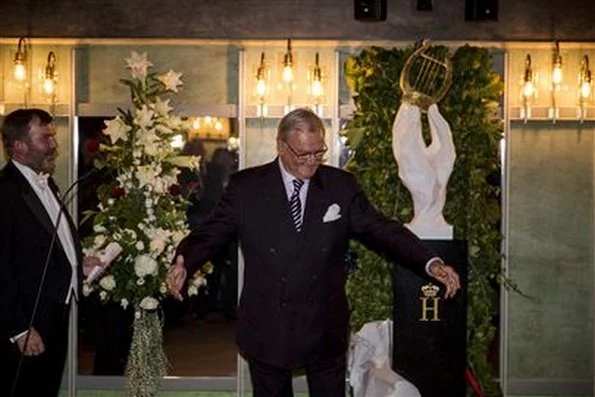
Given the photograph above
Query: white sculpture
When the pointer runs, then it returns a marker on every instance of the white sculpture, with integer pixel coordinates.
(424, 170)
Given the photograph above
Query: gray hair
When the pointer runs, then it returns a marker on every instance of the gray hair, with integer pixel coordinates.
(301, 119)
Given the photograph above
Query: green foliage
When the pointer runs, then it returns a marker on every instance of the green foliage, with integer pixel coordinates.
(472, 205)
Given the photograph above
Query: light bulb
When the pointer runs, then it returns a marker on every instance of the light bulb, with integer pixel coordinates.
(20, 73)
(316, 88)
(261, 88)
(196, 123)
(585, 90)
(528, 89)
(218, 125)
(557, 74)
(288, 74)
(49, 86)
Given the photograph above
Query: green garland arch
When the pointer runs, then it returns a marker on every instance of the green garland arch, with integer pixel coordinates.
(472, 205)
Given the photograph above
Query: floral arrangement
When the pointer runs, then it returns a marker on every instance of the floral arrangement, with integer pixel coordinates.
(142, 214)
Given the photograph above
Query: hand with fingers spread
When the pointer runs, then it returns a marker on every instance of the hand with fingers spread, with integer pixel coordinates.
(446, 275)
(176, 277)
(35, 345)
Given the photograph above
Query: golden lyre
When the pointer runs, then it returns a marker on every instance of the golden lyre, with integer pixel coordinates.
(425, 79)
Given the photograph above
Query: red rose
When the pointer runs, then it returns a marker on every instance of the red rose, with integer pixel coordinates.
(117, 192)
(92, 145)
(175, 190)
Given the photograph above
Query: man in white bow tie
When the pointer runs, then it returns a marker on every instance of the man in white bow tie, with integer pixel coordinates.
(294, 218)
(33, 346)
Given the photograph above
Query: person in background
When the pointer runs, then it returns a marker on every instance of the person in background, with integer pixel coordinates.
(294, 218)
(40, 254)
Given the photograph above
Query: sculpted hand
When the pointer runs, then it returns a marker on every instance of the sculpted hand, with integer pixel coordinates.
(34, 346)
(176, 277)
(447, 276)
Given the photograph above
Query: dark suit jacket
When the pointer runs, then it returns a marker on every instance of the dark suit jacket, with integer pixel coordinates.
(293, 308)
(25, 235)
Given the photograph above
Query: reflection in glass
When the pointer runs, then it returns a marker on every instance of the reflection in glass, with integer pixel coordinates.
(198, 332)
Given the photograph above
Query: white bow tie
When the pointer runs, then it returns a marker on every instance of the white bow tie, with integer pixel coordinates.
(42, 180)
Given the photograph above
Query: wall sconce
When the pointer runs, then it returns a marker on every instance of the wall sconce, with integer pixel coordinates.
(316, 88)
(261, 86)
(288, 75)
(20, 58)
(49, 82)
(557, 75)
(584, 87)
(528, 89)
(288, 64)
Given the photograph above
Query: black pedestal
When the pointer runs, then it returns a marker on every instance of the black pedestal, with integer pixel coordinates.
(429, 337)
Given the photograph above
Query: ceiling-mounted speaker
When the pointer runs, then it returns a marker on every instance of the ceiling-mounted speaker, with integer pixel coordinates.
(481, 10)
(369, 10)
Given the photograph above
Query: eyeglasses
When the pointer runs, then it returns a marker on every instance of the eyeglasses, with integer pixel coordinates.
(317, 156)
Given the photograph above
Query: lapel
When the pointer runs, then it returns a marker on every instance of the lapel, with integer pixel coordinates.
(316, 204)
(275, 200)
(30, 197)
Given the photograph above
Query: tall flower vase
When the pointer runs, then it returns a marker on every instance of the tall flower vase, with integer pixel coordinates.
(147, 363)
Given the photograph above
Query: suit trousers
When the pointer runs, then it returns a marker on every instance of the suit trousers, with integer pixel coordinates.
(325, 379)
(41, 375)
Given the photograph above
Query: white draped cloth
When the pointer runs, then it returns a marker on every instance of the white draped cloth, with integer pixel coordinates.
(369, 364)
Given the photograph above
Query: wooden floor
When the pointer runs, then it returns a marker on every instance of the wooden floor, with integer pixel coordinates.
(203, 347)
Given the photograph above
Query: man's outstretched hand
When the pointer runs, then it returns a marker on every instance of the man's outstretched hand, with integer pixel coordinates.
(175, 278)
(446, 275)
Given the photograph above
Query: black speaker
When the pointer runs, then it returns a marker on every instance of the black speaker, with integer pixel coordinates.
(369, 10)
(481, 10)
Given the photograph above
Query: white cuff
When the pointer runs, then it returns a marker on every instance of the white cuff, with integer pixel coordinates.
(19, 336)
(430, 262)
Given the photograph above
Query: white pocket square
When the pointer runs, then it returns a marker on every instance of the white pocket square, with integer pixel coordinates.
(332, 213)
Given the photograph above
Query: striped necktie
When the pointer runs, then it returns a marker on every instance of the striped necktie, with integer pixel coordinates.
(295, 204)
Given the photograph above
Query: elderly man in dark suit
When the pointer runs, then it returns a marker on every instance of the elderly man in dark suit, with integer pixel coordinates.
(34, 313)
(294, 218)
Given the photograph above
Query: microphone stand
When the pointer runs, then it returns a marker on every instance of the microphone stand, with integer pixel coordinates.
(62, 203)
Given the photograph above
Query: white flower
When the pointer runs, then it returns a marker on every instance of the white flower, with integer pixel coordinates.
(140, 281)
(192, 290)
(137, 315)
(144, 265)
(108, 283)
(87, 289)
(192, 162)
(148, 203)
(149, 303)
(98, 242)
(139, 245)
(110, 201)
(163, 288)
(158, 238)
(116, 129)
(171, 80)
(138, 64)
(162, 108)
(124, 303)
(103, 295)
(99, 229)
(144, 117)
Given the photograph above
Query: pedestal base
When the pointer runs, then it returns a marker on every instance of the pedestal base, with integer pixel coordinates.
(430, 333)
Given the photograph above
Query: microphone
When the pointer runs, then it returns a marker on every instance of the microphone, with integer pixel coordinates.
(62, 202)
